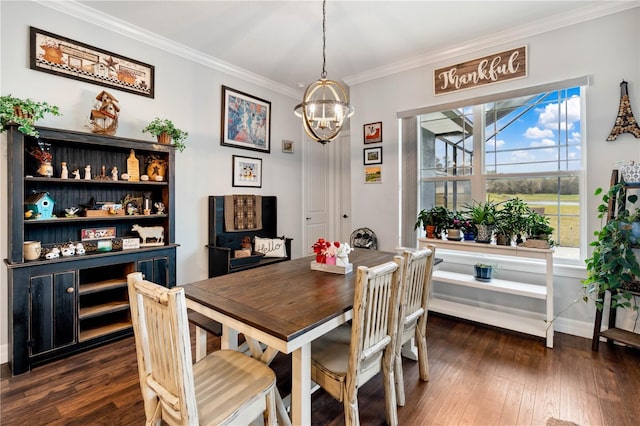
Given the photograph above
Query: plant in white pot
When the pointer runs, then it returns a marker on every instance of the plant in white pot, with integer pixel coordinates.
(167, 132)
(24, 113)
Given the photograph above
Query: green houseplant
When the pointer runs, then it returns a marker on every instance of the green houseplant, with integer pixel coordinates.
(163, 129)
(612, 265)
(511, 221)
(538, 228)
(433, 220)
(24, 113)
(484, 216)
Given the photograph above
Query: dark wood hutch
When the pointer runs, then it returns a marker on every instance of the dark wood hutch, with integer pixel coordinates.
(68, 304)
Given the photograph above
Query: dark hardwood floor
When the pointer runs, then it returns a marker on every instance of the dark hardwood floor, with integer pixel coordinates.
(479, 376)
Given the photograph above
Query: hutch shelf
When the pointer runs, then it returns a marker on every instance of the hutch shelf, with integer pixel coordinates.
(510, 321)
(67, 304)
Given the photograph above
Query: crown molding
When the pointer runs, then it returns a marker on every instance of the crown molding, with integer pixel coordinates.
(88, 14)
(587, 13)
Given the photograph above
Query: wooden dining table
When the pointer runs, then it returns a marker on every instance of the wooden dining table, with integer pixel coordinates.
(282, 307)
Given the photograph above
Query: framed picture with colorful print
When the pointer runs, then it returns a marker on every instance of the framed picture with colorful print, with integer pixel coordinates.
(247, 171)
(246, 121)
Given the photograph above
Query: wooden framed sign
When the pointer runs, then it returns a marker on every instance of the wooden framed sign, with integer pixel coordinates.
(496, 68)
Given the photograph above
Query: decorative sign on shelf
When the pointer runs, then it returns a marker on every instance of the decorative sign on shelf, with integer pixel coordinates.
(490, 69)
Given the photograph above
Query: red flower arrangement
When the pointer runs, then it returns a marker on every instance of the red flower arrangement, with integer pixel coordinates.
(324, 249)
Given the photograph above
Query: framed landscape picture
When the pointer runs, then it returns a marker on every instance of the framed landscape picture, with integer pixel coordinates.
(247, 171)
(373, 132)
(373, 174)
(373, 155)
(246, 121)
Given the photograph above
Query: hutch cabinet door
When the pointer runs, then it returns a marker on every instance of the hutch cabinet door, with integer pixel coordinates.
(158, 270)
(53, 311)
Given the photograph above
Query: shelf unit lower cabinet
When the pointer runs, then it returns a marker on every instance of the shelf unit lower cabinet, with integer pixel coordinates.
(64, 306)
(523, 324)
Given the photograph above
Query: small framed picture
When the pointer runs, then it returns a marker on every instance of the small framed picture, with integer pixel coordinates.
(287, 146)
(373, 132)
(372, 156)
(247, 171)
(373, 174)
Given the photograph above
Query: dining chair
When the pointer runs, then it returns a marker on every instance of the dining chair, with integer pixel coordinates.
(348, 356)
(226, 387)
(418, 268)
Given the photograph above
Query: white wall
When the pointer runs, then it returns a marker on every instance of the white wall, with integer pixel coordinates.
(187, 93)
(605, 49)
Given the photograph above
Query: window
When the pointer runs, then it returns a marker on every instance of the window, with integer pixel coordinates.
(527, 146)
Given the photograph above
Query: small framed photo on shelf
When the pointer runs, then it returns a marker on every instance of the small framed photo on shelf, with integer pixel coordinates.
(373, 132)
(246, 121)
(287, 146)
(372, 156)
(247, 171)
(373, 174)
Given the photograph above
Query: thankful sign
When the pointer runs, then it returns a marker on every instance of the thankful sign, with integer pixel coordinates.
(490, 69)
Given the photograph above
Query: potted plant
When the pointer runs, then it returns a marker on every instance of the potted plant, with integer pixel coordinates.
(538, 231)
(483, 215)
(511, 221)
(24, 113)
(484, 271)
(166, 132)
(613, 265)
(455, 226)
(433, 220)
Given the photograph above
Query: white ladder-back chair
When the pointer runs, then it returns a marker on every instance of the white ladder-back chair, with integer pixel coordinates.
(224, 388)
(418, 268)
(348, 356)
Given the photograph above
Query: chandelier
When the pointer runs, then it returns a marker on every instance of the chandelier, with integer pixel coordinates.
(325, 105)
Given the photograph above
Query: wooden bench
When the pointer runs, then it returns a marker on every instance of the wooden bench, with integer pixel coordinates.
(222, 244)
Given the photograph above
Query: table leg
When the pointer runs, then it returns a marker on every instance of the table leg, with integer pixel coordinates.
(229, 338)
(301, 385)
(201, 343)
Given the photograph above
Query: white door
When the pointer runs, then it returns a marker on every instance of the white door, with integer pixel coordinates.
(318, 194)
(327, 191)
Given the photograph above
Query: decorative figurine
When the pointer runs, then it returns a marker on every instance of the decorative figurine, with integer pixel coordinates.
(87, 172)
(146, 203)
(159, 205)
(44, 157)
(114, 173)
(76, 174)
(80, 249)
(64, 174)
(104, 116)
(71, 211)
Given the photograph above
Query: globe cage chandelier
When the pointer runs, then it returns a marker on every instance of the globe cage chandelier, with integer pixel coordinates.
(325, 105)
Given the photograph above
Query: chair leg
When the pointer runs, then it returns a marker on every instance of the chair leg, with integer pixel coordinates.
(390, 388)
(423, 359)
(351, 413)
(399, 378)
(270, 414)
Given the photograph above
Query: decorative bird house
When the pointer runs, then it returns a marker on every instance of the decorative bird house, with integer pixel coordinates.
(40, 205)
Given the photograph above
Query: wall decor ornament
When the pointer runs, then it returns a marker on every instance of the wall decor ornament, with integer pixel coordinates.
(373, 174)
(625, 121)
(103, 118)
(373, 155)
(61, 56)
(246, 121)
(372, 132)
(247, 171)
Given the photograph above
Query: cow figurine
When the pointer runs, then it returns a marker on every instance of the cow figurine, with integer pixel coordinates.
(146, 232)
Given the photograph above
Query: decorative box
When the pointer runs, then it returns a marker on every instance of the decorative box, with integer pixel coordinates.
(630, 171)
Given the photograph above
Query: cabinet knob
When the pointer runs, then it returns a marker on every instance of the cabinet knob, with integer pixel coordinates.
(71, 290)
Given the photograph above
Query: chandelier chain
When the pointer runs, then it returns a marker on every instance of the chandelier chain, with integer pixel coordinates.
(324, 39)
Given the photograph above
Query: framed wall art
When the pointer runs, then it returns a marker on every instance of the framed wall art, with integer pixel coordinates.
(287, 146)
(373, 174)
(372, 156)
(246, 121)
(247, 171)
(61, 56)
(373, 132)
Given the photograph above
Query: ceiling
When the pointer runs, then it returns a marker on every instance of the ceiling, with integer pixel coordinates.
(282, 40)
